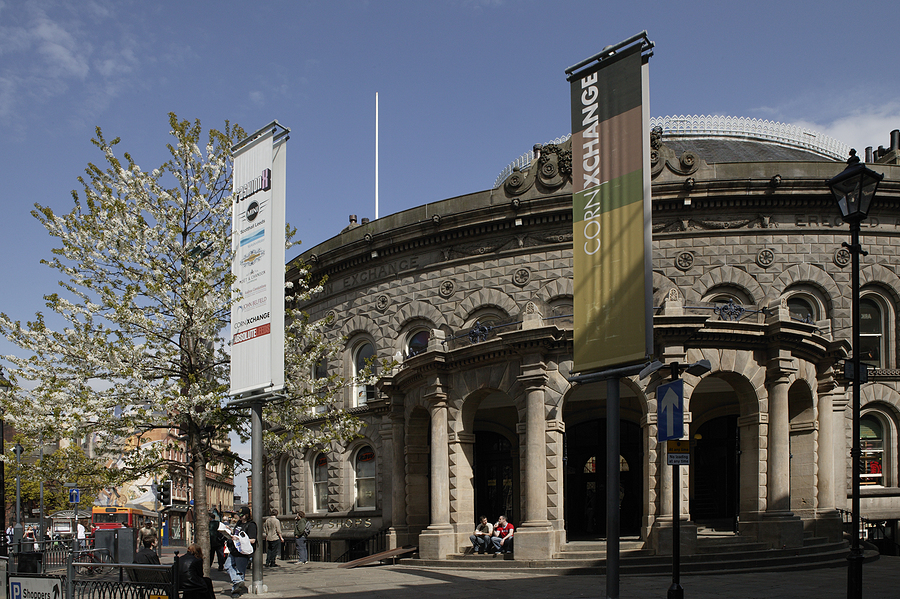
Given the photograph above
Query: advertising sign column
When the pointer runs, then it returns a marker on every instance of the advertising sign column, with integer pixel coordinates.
(258, 220)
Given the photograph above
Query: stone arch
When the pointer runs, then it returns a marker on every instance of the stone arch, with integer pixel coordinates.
(419, 310)
(725, 275)
(554, 289)
(362, 324)
(877, 393)
(734, 366)
(808, 274)
(482, 298)
(501, 377)
(877, 274)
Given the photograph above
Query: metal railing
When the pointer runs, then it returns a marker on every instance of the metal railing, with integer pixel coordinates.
(365, 547)
(711, 126)
(873, 531)
(317, 550)
(89, 573)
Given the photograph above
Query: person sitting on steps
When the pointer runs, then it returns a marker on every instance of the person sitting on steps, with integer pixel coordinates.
(481, 538)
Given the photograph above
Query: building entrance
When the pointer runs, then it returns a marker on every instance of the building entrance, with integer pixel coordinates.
(585, 499)
(716, 473)
(494, 477)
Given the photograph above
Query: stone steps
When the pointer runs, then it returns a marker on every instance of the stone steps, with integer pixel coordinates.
(715, 554)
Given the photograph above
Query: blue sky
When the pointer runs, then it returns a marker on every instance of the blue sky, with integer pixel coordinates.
(465, 87)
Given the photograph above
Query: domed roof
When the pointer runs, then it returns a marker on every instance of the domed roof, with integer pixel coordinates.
(718, 139)
(738, 139)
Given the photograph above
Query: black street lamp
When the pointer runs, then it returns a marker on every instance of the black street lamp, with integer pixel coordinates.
(854, 191)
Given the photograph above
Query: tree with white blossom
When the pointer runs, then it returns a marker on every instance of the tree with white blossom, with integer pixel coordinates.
(137, 335)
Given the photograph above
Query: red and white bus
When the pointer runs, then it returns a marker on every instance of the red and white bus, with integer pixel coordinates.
(108, 517)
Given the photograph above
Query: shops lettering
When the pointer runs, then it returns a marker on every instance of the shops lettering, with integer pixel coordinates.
(343, 523)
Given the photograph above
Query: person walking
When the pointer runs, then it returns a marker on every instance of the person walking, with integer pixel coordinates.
(273, 537)
(216, 542)
(236, 564)
(301, 532)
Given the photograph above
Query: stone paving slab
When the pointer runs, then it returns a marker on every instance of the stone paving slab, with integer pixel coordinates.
(881, 580)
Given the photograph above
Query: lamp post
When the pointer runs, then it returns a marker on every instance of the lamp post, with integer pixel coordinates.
(19, 528)
(6, 386)
(854, 190)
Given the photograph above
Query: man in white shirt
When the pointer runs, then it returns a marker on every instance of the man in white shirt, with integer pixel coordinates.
(82, 535)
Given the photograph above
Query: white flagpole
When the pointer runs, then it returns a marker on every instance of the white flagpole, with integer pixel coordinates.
(376, 155)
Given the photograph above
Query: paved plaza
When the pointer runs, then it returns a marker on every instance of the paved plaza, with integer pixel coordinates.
(881, 581)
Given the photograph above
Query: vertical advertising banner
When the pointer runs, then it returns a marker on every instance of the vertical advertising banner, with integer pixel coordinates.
(258, 220)
(611, 213)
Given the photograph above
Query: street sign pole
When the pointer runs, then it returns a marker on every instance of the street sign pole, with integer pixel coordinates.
(670, 425)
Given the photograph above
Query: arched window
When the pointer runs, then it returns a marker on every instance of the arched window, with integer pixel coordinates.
(871, 441)
(417, 343)
(364, 470)
(801, 309)
(723, 294)
(285, 478)
(871, 332)
(363, 362)
(320, 483)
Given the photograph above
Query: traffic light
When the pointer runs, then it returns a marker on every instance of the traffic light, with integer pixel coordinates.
(164, 492)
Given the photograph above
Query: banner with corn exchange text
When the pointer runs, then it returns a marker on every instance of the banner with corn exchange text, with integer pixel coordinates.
(611, 213)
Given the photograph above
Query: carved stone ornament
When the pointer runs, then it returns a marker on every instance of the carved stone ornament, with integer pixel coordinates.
(664, 157)
(684, 261)
(842, 257)
(382, 302)
(521, 277)
(765, 257)
(331, 317)
(673, 295)
(551, 169)
(446, 288)
(530, 308)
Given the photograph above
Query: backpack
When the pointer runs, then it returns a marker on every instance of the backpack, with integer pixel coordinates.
(307, 529)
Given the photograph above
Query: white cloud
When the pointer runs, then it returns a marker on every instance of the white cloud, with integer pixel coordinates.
(864, 126)
(64, 55)
(257, 98)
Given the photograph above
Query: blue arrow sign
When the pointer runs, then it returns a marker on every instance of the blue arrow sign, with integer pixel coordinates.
(670, 411)
(74, 495)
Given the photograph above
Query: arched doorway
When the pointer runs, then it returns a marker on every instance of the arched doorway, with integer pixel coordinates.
(418, 471)
(585, 498)
(493, 475)
(723, 434)
(492, 417)
(716, 474)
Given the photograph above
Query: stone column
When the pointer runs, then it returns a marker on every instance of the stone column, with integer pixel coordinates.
(779, 471)
(828, 521)
(398, 533)
(777, 526)
(534, 538)
(437, 541)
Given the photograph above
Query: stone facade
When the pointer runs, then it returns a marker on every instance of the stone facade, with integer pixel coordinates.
(473, 298)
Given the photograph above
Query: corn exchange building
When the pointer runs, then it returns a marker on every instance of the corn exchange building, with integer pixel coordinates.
(473, 298)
